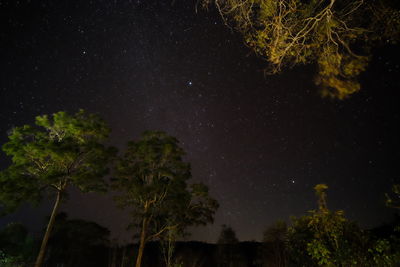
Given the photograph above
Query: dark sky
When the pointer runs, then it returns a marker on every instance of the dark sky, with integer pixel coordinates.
(260, 142)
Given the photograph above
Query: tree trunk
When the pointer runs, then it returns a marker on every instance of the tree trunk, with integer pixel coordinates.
(123, 257)
(42, 251)
(142, 243)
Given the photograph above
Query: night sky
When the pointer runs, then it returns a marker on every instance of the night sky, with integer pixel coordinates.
(259, 142)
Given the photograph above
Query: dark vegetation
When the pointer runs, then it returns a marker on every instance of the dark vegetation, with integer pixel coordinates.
(66, 248)
(151, 180)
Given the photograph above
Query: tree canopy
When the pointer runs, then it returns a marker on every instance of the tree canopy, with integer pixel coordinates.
(76, 242)
(336, 35)
(273, 250)
(328, 238)
(228, 251)
(151, 179)
(58, 151)
(227, 235)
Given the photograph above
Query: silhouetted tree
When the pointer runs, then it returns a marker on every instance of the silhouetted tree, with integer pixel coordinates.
(273, 250)
(228, 251)
(152, 180)
(227, 235)
(195, 254)
(17, 247)
(76, 242)
(58, 151)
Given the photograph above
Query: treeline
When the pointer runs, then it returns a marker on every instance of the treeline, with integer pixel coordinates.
(152, 181)
(78, 243)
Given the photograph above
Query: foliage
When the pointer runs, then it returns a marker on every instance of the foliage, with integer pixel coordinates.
(75, 242)
(327, 238)
(336, 35)
(228, 251)
(9, 261)
(393, 200)
(58, 151)
(273, 250)
(227, 236)
(385, 252)
(152, 180)
(17, 246)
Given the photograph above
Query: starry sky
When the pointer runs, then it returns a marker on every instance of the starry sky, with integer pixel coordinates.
(259, 142)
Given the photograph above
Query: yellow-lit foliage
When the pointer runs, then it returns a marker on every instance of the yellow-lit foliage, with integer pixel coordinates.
(337, 73)
(291, 32)
(393, 199)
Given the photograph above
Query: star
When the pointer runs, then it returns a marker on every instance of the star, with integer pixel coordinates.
(244, 133)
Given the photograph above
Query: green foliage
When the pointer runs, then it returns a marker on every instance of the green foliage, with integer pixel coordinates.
(10, 261)
(148, 168)
(326, 238)
(385, 252)
(56, 152)
(336, 35)
(17, 247)
(152, 178)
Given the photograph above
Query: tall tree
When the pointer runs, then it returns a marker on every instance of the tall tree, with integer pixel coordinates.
(273, 250)
(59, 151)
(336, 35)
(152, 180)
(228, 251)
(197, 209)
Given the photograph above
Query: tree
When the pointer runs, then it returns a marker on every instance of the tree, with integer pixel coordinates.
(59, 151)
(17, 247)
(228, 250)
(76, 242)
(227, 236)
(198, 209)
(274, 245)
(327, 238)
(336, 35)
(152, 180)
(393, 200)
